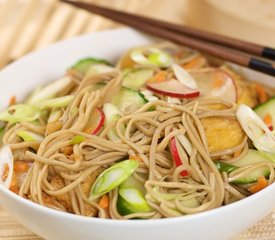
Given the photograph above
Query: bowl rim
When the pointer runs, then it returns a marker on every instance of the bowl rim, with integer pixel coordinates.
(241, 203)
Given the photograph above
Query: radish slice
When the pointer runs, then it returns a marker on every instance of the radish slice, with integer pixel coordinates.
(176, 152)
(95, 122)
(6, 164)
(173, 88)
(215, 82)
(184, 77)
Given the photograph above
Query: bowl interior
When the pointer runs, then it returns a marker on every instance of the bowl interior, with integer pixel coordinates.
(35, 69)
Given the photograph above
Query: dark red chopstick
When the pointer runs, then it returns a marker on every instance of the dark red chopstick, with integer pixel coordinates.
(195, 39)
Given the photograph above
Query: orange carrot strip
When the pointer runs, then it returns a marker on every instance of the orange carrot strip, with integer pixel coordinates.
(193, 63)
(268, 119)
(159, 77)
(261, 93)
(261, 184)
(237, 154)
(135, 157)
(21, 166)
(12, 100)
(104, 201)
(67, 150)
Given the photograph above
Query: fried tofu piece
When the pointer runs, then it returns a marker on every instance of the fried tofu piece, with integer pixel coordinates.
(222, 133)
(58, 183)
(89, 210)
(247, 94)
(89, 180)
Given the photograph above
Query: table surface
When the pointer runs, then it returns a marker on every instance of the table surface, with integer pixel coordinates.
(52, 16)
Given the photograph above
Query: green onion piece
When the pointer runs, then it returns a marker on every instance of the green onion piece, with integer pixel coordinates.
(112, 178)
(20, 113)
(2, 130)
(55, 102)
(151, 56)
(160, 59)
(29, 136)
(77, 139)
(131, 200)
(50, 90)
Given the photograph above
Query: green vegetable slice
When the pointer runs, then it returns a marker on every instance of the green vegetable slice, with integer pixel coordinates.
(112, 178)
(55, 102)
(128, 100)
(112, 114)
(77, 139)
(136, 78)
(49, 91)
(20, 113)
(28, 136)
(132, 201)
(85, 64)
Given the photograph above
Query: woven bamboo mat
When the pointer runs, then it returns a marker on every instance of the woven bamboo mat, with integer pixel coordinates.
(48, 21)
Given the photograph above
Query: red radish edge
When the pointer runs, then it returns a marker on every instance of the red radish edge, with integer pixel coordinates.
(101, 122)
(155, 87)
(234, 84)
(176, 156)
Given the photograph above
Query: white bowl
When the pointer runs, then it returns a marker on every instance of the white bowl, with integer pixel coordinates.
(37, 68)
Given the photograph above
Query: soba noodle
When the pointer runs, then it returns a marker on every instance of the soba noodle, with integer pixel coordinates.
(60, 175)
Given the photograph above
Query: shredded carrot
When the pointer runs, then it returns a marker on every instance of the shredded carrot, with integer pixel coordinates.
(14, 188)
(104, 201)
(261, 93)
(261, 184)
(135, 157)
(159, 77)
(12, 100)
(21, 166)
(237, 154)
(68, 150)
(218, 82)
(268, 121)
(193, 63)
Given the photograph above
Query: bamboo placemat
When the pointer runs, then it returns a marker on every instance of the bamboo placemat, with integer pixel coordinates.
(47, 21)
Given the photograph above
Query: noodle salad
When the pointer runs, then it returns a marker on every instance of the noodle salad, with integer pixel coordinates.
(164, 132)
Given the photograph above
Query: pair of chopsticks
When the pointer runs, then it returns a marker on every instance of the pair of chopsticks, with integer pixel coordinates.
(230, 49)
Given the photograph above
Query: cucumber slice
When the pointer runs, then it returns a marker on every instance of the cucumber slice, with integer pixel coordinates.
(265, 108)
(131, 200)
(112, 114)
(225, 167)
(253, 156)
(128, 100)
(137, 78)
(83, 65)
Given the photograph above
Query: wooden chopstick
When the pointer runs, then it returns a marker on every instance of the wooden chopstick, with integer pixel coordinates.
(156, 28)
